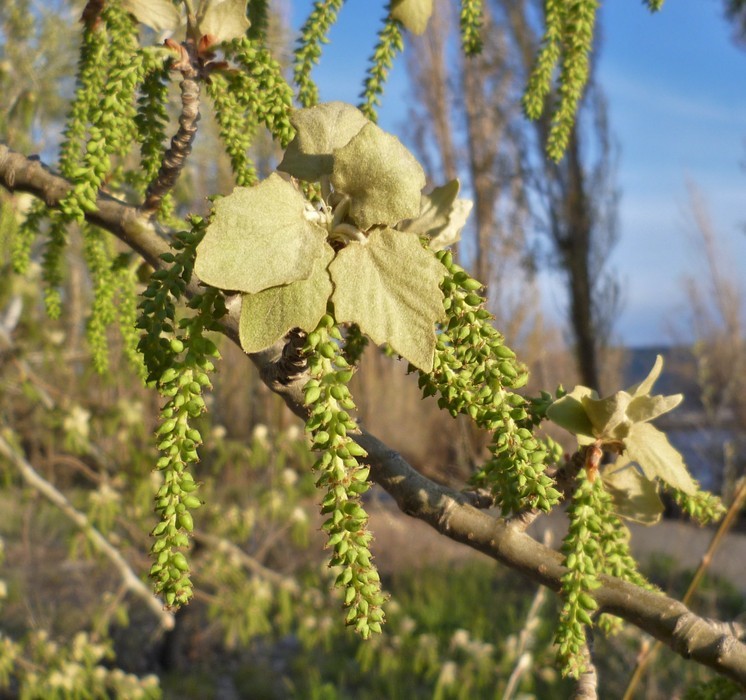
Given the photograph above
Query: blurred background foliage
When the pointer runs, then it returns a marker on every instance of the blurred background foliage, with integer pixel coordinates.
(264, 623)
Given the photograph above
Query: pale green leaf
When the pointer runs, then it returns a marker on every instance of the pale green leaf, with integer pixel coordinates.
(268, 315)
(609, 415)
(441, 217)
(650, 448)
(319, 131)
(646, 385)
(224, 20)
(381, 176)
(160, 15)
(389, 286)
(635, 497)
(568, 412)
(259, 237)
(645, 408)
(413, 14)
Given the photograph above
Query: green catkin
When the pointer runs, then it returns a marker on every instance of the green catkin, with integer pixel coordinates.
(567, 41)
(261, 89)
(237, 129)
(584, 561)
(390, 43)
(473, 373)
(342, 478)
(654, 5)
(470, 21)
(98, 258)
(151, 120)
(308, 51)
(126, 284)
(179, 359)
(25, 234)
(703, 507)
(258, 13)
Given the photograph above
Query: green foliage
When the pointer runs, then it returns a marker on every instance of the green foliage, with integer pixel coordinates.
(716, 689)
(473, 371)
(41, 668)
(342, 478)
(390, 43)
(620, 423)
(308, 50)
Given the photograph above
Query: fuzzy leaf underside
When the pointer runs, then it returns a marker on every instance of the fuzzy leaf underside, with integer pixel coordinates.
(609, 415)
(389, 286)
(319, 131)
(442, 216)
(413, 14)
(224, 20)
(160, 15)
(259, 238)
(650, 448)
(635, 497)
(383, 179)
(268, 315)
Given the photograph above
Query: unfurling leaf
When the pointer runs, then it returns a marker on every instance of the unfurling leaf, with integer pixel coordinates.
(570, 414)
(259, 238)
(650, 448)
(224, 20)
(441, 217)
(319, 131)
(383, 179)
(635, 496)
(389, 286)
(268, 315)
(160, 15)
(413, 14)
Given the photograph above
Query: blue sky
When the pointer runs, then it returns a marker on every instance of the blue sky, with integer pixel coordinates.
(676, 86)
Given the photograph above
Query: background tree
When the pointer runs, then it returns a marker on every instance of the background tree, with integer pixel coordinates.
(571, 204)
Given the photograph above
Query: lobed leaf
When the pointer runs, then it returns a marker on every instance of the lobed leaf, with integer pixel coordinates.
(160, 15)
(268, 315)
(441, 217)
(650, 448)
(259, 237)
(635, 496)
(383, 179)
(224, 20)
(319, 131)
(389, 286)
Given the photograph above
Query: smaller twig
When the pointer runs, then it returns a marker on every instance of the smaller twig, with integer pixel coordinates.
(226, 546)
(587, 685)
(647, 656)
(181, 144)
(527, 637)
(99, 542)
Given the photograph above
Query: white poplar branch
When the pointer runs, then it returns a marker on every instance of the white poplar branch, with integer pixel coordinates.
(704, 641)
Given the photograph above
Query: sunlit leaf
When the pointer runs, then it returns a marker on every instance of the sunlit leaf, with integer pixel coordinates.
(441, 217)
(160, 15)
(569, 413)
(224, 20)
(389, 286)
(381, 176)
(268, 315)
(635, 497)
(646, 385)
(650, 448)
(609, 415)
(413, 14)
(646, 408)
(259, 237)
(319, 131)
